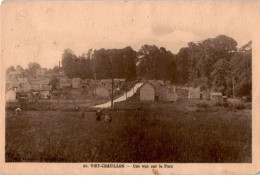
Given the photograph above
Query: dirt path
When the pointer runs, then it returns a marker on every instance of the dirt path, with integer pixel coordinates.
(130, 93)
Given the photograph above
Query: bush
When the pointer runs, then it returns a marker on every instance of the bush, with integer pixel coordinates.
(222, 104)
(239, 106)
(202, 105)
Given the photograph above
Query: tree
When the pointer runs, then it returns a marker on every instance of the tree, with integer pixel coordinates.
(221, 77)
(117, 62)
(69, 60)
(54, 82)
(241, 70)
(155, 63)
(19, 68)
(196, 62)
(10, 69)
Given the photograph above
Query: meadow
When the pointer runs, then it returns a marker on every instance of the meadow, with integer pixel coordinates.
(201, 133)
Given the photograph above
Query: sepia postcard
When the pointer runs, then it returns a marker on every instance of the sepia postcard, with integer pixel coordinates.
(130, 87)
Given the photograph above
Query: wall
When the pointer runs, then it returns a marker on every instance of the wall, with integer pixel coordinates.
(147, 93)
(102, 92)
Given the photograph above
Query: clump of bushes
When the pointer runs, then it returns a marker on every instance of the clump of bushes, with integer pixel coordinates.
(222, 104)
(239, 106)
(202, 105)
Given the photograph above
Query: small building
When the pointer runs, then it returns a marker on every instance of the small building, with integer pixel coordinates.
(23, 80)
(12, 83)
(40, 72)
(44, 94)
(171, 95)
(161, 82)
(103, 92)
(147, 92)
(14, 74)
(76, 83)
(183, 92)
(108, 83)
(24, 87)
(36, 84)
(194, 93)
(10, 95)
(216, 96)
(65, 82)
(45, 91)
(154, 91)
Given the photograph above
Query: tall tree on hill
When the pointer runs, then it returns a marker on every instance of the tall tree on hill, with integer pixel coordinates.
(117, 62)
(155, 63)
(221, 77)
(241, 69)
(196, 62)
(69, 60)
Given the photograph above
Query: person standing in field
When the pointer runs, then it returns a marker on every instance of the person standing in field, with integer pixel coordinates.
(108, 117)
(98, 115)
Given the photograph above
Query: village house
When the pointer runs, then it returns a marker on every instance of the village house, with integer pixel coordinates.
(194, 93)
(216, 96)
(12, 83)
(24, 85)
(45, 94)
(183, 92)
(102, 92)
(76, 83)
(40, 73)
(154, 91)
(36, 84)
(10, 95)
(108, 83)
(14, 74)
(171, 94)
(65, 82)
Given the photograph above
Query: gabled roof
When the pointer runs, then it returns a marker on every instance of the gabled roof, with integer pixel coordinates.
(110, 80)
(216, 93)
(17, 72)
(105, 87)
(22, 80)
(39, 81)
(156, 85)
(76, 79)
(46, 87)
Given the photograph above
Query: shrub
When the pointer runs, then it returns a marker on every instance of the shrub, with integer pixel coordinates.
(202, 105)
(239, 106)
(223, 104)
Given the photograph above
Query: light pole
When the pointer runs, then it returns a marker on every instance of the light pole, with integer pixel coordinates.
(112, 78)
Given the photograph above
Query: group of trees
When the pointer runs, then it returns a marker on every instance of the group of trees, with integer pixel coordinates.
(31, 69)
(213, 64)
(217, 64)
(100, 64)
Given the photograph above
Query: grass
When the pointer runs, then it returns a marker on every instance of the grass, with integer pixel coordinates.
(162, 134)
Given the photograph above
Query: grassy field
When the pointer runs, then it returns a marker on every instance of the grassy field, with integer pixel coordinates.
(159, 133)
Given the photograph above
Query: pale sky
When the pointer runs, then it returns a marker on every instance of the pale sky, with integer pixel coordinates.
(40, 31)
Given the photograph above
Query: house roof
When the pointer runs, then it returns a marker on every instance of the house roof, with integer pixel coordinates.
(156, 85)
(39, 81)
(105, 87)
(110, 80)
(23, 80)
(76, 79)
(46, 87)
(13, 83)
(17, 72)
(216, 93)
